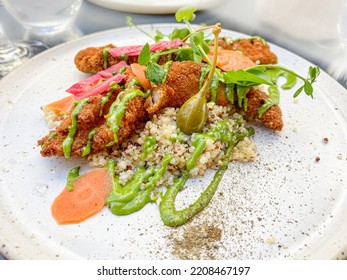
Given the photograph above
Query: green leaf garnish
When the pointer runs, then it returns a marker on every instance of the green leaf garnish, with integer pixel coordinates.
(179, 33)
(244, 78)
(155, 73)
(185, 54)
(197, 42)
(145, 55)
(159, 36)
(268, 75)
(185, 13)
(273, 99)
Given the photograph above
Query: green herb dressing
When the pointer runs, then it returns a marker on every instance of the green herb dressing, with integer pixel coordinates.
(54, 134)
(134, 82)
(106, 98)
(68, 141)
(127, 192)
(142, 196)
(148, 147)
(219, 132)
(87, 148)
(72, 175)
(168, 213)
(117, 110)
(214, 87)
(180, 137)
(166, 68)
(122, 70)
(229, 93)
(203, 73)
(105, 54)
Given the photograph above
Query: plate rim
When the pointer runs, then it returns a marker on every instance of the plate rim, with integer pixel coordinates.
(162, 7)
(109, 31)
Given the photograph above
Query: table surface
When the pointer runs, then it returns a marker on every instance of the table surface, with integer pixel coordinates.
(237, 15)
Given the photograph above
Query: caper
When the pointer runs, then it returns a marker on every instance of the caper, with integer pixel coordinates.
(193, 114)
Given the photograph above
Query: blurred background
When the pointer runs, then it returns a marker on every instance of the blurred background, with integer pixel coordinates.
(313, 29)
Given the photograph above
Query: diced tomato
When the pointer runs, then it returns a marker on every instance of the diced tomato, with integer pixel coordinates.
(135, 50)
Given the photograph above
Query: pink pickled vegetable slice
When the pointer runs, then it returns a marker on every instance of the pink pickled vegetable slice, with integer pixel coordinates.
(97, 83)
(101, 88)
(135, 50)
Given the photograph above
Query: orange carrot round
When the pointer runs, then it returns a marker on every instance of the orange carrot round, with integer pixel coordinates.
(140, 73)
(88, 197)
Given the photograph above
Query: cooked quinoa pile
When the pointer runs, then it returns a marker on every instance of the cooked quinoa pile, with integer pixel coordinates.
(169, 140)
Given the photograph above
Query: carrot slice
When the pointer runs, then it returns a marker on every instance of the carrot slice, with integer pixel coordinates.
(140, 73)
(60, 106)
(86, 199)
(231, 60)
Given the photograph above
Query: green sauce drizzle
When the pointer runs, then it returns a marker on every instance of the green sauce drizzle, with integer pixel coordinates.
(180, 137)
(203, 73)
(106, 98)
(229, 93)
(68, 141)
(148, 147)
(142, 197)
(214, 87)
(133, 82)
(87, 148)
(166, 68)
(169, 214)
(105, 54)
(122, 70)
(72, 175)
(117, 110)
(127, 192)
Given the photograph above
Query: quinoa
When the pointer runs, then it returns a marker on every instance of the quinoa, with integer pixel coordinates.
(169, 140)
(52, 119)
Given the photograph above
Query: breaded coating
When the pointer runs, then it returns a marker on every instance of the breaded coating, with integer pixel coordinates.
(272, 118)
(91, 60)
(182, 82)
(253, 48)
(88, 119)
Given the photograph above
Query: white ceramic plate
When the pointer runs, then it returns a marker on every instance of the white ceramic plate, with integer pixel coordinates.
(283, 205)
(153, 6)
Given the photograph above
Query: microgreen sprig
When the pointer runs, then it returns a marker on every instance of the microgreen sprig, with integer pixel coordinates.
(268, 75)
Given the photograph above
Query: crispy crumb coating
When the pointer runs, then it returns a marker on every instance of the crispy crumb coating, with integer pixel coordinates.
(183, 82)
(88, 119)
(256, 50)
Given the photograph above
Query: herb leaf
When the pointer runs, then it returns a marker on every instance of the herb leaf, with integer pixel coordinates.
(155, 73)
(185, 54)
(273, 99)
(185, 13)
(199, 46)
(242, 100)
(145, 55)
(179, 33)
(244, 78)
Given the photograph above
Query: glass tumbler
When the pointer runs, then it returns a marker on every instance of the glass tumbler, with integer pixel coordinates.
(49, 21)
